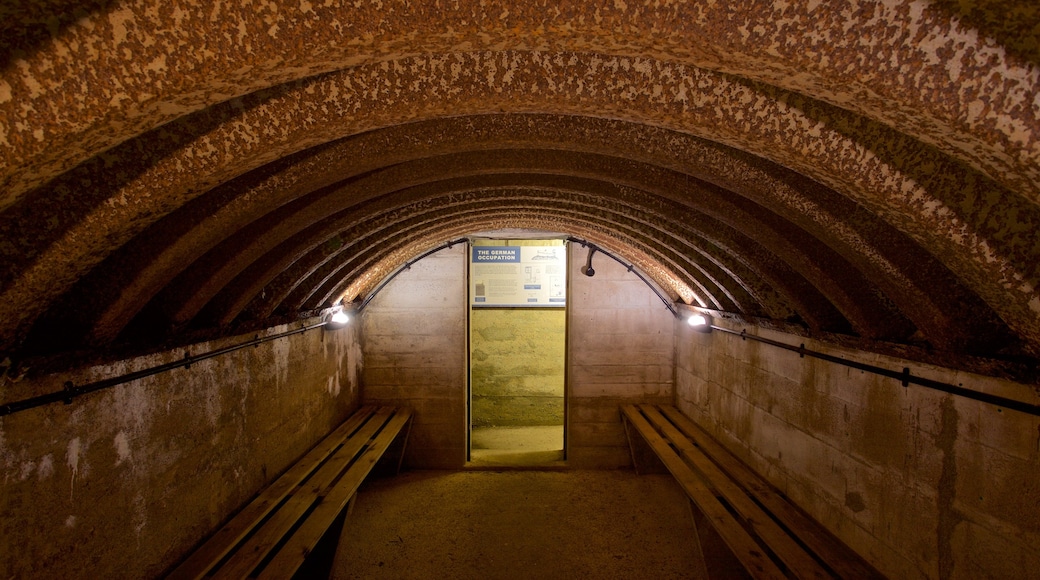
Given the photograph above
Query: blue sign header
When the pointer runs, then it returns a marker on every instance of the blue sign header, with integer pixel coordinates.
(496, 254)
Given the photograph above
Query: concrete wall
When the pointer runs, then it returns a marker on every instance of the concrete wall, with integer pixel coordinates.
(414, 341)
(123, 482)
(517, 364)
(926, 485)
(620, 348)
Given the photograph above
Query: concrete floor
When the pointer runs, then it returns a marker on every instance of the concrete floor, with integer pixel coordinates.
(519, 524)
(516, 446)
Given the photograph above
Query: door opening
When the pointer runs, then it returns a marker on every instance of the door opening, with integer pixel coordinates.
(517, 354)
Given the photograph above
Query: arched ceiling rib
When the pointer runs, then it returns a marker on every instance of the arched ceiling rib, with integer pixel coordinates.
(118, 63)
(261, 237)
(833, 164)
(585, 209)
(298, 257)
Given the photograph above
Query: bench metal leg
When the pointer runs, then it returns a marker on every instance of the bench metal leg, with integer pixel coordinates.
(717, 560)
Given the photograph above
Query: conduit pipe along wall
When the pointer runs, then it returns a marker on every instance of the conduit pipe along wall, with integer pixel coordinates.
(407, 266)
(124, 482)
(593, 248)
(71, 390)
(923, 483)
(905, 376)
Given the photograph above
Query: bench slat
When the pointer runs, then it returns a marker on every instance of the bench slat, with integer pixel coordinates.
(736, 537)
(801, 564)
(251, 553)
(839, 557)
(202, 560)
(291, 556)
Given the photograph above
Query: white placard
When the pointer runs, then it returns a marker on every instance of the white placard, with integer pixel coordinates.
(518, 276)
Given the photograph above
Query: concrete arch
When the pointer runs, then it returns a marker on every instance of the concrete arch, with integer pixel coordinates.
(266, 283)
(721, 267)
(377, 233)
(224, 262)
(923, 186)
(174, 238)
(858, 176)
(125, 56)
(336, 277)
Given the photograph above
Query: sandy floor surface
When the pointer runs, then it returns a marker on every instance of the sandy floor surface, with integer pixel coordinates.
(519, 524)
(514, 446)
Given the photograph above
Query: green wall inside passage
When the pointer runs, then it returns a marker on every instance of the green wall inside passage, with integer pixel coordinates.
(517, 366)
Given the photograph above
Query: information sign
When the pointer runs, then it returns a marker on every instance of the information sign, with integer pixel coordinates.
(518, 276)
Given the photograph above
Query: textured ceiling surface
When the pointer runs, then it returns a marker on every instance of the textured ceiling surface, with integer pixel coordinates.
(869, 169)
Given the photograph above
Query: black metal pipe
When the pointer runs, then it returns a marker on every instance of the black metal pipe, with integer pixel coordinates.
(406, 266)
(904, 376)
(71, 391)
(631, 268)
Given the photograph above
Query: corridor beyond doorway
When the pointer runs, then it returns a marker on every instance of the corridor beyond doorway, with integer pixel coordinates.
(518, 338)
(516, 446)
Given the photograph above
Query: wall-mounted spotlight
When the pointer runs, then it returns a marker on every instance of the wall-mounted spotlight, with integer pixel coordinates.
(587, 268)
(700, 322)
(337, 319)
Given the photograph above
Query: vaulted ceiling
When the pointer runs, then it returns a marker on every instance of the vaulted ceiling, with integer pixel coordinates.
(869, 169)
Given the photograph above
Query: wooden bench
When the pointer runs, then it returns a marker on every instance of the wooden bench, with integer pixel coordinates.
(273, 536)
(736, 512)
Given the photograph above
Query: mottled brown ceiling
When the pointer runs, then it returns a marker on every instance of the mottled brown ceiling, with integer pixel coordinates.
(869, 169)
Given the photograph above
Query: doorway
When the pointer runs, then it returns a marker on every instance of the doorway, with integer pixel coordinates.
(518, 345)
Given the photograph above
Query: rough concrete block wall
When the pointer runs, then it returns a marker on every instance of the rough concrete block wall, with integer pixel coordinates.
(414, 342)
(517, 365)
(621, 349)
(124, 482)
(924, 484)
